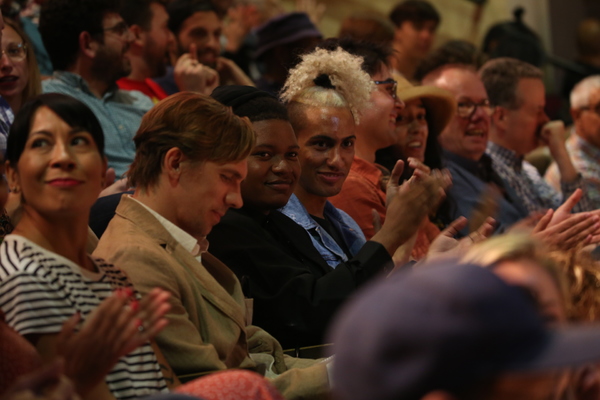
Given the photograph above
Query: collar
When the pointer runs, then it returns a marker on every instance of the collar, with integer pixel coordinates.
(296, 211)
(507, 156)
(186, 240)
(74, 80)
(466, 163)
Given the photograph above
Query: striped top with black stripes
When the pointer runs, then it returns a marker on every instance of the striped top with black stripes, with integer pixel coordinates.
(40, 290)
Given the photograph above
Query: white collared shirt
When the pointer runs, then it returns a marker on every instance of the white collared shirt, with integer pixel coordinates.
(186, 240)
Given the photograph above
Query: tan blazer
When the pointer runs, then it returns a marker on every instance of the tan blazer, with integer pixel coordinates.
(207, 330)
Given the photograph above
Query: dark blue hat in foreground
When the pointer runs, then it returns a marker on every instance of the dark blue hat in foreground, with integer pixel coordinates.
(445, 327)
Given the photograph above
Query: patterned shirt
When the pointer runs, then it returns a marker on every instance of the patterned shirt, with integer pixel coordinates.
(119, 112)
(40, 290)
(529, 186)
(586, 159)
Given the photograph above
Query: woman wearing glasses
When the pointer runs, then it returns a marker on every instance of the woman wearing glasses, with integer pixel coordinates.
(19, 74)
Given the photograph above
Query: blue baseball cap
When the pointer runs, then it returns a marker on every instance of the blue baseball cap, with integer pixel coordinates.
(446, 327)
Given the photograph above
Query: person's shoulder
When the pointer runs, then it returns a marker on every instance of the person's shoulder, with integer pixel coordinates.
(133, 98)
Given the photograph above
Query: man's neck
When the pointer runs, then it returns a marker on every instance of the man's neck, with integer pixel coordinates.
(364, 150)
(150, 198)
(97, 87)
(139, 69)
(315, 205)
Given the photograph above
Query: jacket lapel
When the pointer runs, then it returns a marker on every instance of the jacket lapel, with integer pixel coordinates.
(214, 281)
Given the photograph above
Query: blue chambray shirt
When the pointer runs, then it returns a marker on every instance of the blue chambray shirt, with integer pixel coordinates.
(119, 112)
(331, 252)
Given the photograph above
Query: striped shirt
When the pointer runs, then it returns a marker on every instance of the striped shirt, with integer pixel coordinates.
(40, 290)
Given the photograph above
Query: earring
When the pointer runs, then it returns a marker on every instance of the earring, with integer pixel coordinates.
(15, 190)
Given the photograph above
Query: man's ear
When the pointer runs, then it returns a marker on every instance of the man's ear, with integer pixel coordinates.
(138, 35)
(172, 164)
(12, 177)
(499, 117)
(575, 113)
(87, 44)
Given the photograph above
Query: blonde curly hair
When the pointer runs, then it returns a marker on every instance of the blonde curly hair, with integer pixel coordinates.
(329, 79)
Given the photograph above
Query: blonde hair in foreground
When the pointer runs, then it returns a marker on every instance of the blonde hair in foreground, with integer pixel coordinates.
(352, 86)
(515, 247)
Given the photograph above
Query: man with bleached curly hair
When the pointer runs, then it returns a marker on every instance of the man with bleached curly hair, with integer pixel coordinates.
(301, 262)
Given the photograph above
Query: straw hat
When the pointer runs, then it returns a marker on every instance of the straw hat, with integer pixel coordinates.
(439, 103)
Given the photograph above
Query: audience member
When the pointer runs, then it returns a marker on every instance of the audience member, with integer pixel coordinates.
(6, 114)
(19, 74)
(427, 111)
(364, 190)
(281, 40)
(244, 16)
(518, 126)
(453, 52)
(148, 51)
(301, 262)
(453, 331)
(87, 41)
(55, 161)
(464, 142)
(416, 22)
(587, 39)
(371, 27)
(197, 27)
(190, 161)
(514, 39)
(583, 145)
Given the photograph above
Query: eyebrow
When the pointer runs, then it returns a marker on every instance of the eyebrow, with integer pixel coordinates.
(320, 137)
(270, 146)
(349, 137)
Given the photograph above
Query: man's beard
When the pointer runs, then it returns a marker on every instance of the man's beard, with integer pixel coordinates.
(109, 66)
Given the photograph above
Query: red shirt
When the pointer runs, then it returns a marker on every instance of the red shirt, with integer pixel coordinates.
(147, 86)
(363, 191)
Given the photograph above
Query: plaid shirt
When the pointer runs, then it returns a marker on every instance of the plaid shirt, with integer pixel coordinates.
(586, 159)
(525, 180)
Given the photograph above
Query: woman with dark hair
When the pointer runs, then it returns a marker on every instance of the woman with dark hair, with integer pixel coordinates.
(56, 164)
(426, 113)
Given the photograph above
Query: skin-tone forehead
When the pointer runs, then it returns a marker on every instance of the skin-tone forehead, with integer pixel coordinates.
(594, 97)
(325, 119)
(531, 90)
(461, 81)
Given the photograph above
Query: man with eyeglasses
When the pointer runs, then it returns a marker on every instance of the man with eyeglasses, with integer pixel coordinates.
(464, 142)
(363, 190)
(518, 126)
(583, 145)
(87, 41)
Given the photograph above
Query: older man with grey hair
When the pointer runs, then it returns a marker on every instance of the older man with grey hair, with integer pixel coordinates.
(584, 143)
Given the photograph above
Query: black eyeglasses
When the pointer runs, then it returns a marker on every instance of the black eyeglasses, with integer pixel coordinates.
(121, 28)
(390, 86)
(466, 109)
